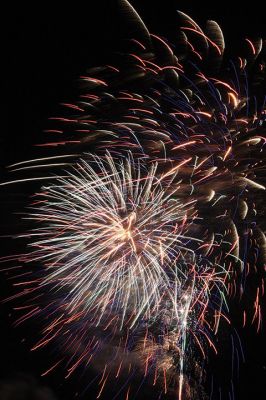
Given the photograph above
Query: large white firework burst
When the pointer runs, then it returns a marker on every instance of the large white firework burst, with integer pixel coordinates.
(112, 235)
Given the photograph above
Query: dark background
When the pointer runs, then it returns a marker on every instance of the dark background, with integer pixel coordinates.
(47, 50)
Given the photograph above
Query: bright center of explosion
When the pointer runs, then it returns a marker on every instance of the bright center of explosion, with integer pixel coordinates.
(128, 232)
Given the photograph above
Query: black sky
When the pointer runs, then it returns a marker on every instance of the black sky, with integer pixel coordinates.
(47, 50)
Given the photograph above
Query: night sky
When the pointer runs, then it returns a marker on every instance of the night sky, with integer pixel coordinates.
(47, 50)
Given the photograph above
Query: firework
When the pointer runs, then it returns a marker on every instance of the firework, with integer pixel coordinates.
(121, 252)
(111, 236)
(144, 230)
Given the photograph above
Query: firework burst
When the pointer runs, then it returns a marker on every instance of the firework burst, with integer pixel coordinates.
(111, 237)
(141, 244)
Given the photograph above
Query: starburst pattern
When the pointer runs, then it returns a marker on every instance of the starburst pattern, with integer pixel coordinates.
(141, 243)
